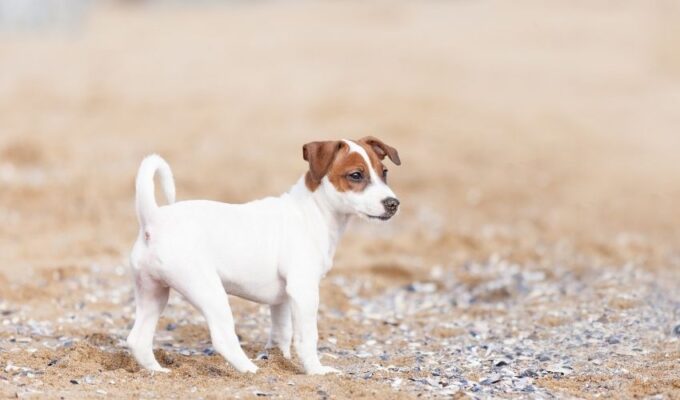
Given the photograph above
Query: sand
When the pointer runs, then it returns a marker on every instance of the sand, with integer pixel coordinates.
(542, 135)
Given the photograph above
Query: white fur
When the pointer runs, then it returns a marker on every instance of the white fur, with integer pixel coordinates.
(273, 251)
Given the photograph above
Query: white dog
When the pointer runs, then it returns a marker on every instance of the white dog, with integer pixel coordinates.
(273, 251)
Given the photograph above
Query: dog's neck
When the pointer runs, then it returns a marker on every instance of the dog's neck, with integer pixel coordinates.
(317, 207)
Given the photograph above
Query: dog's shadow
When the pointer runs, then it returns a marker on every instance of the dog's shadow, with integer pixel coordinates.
(210, 362)
(110, 354)
(215, 365)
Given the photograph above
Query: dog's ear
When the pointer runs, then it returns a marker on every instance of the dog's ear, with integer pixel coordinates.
(320, 156)
(382, 149)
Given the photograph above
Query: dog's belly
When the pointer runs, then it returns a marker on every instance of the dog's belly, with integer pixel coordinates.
(249, 269)
(268, 292)
(242, 243)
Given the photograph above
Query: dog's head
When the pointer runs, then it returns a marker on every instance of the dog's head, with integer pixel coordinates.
(352, 177)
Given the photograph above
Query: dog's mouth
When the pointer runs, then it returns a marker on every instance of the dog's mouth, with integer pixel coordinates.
(383, 217)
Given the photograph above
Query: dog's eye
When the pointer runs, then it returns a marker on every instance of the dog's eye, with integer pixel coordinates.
(385, 174)
(356, 176)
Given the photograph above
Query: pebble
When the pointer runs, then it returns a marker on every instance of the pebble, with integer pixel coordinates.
(500, 339)
(491, 379)
(614, 339)
(421, 287)
(529, 389)
(560, 369)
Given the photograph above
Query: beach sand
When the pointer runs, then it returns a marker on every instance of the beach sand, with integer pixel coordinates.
(539, 188)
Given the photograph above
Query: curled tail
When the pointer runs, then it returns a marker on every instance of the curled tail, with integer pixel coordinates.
(145, 201)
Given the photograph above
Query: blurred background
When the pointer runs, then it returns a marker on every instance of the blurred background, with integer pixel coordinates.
(519, 123)
(540, 188)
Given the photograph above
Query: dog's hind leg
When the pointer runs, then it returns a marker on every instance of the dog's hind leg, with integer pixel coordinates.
(207, 294)
(151, 297)
(281, 333)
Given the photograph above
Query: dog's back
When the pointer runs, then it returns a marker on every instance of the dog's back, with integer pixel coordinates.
(244, 241)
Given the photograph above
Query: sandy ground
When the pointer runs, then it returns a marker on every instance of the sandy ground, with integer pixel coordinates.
(539, 145)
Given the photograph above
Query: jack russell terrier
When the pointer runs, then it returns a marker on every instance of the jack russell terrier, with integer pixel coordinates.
(273, 251)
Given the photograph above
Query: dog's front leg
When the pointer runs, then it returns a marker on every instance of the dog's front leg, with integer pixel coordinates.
(304, 302)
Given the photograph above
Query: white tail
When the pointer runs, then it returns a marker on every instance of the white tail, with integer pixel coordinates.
(146, 199)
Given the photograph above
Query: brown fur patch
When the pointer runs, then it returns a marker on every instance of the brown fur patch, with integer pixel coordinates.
(310, 182)
(320, 156)
(381, 149)
(345, 164)
(333, 159)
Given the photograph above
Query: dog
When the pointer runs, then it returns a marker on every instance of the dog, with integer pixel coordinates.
(273, 251)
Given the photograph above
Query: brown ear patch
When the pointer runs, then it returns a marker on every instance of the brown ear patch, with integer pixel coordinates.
(382, 150)
(320, 156)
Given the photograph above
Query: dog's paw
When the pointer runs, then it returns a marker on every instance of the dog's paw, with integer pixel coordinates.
(323, 370)
(160, 370)
(252, 370)
(249, 368)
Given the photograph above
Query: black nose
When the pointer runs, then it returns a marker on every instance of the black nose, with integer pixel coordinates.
(391, 204)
